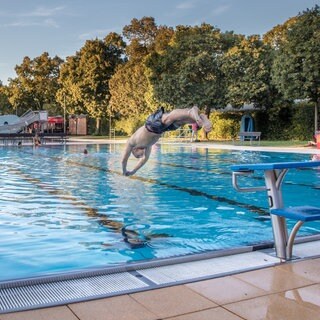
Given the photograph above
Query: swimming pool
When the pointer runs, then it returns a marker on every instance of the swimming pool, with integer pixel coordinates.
(61, 210)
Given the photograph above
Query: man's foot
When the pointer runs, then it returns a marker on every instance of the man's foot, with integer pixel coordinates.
(194, 114)
(206, 124)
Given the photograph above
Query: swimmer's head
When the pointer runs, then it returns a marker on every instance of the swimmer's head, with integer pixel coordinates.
(138, 152)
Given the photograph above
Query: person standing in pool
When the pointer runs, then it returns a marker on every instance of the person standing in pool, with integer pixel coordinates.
(141, 142)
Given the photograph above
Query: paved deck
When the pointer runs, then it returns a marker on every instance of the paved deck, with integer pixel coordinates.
(286, 291)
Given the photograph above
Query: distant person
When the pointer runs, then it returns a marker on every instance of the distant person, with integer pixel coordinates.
(194, 135)
(315, 157)
(313, 142)
(36, 140)
(85, 151)
(141, 142)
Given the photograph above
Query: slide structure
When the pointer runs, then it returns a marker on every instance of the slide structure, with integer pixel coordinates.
(12, 124)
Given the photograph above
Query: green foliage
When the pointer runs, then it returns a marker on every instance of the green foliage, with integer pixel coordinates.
(128, 87)
(247, 67)
(296, 68)
(131, 93)
(178, 68)
(297, 64)
(141, 34)
(274, 123)
(302, 122)
(69, 94)
(226, 125)
(5, 106)
(85, 77)
(188, 71)
(130, 125)
(294, 122)
(278, 34)
(36, 83)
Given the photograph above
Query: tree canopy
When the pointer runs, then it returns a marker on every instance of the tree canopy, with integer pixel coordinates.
(188, 70)
(36, 83)
(130, 75)
(85, 77)
(296, 68)
(129, 86)
(247, 68)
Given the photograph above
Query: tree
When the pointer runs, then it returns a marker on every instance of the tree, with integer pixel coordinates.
(18, 97)
(5, 106)
(141, 35)
(85, 77)
(247, 68)
(296, 69)
(278, 34)
(37, 81)
(188, 70)
(129, 87)
(69, 95)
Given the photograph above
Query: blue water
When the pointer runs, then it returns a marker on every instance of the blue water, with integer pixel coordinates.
(61, 210)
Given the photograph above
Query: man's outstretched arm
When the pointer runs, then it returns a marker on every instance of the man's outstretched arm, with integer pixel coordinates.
(125, 158)
(142, 161)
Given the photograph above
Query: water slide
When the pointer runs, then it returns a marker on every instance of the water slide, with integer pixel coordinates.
(14, 124)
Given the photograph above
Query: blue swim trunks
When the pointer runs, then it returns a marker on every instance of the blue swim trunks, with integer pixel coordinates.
(154, 124)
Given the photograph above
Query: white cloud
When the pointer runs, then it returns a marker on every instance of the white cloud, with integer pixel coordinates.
(185, 5)
(28, 23)
(220, 10)
(40, 17)
(42, 12)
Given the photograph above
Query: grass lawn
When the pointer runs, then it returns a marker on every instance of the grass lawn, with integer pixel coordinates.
(267, 143)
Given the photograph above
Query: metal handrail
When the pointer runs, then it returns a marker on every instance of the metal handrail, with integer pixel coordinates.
(235, 184)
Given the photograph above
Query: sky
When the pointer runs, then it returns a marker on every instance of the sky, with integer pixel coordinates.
(61, 27)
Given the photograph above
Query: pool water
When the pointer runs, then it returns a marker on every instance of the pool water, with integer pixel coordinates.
(62, 210)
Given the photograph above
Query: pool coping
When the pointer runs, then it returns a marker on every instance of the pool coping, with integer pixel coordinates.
(96, 283)
(73, 140)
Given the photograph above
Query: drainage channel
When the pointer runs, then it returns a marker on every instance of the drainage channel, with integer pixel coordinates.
(62, 289)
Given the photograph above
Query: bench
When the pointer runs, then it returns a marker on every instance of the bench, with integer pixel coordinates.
(274, 174)
(250, 135)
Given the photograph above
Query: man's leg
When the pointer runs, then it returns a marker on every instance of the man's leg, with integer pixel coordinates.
(201, 119)
(187, 116)
(206, 123)
(182, 116)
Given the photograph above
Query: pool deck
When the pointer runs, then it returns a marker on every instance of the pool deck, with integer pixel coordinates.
(74, 140)
(211, 145)
(289, 290)
(286, 291)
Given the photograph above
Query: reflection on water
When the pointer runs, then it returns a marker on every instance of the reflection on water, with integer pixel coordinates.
(63, 210)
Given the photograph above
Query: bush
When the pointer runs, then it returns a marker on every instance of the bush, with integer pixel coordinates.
(129, 126)
(287, 122)
(302, 125)
(278, 123)
(225, 126)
